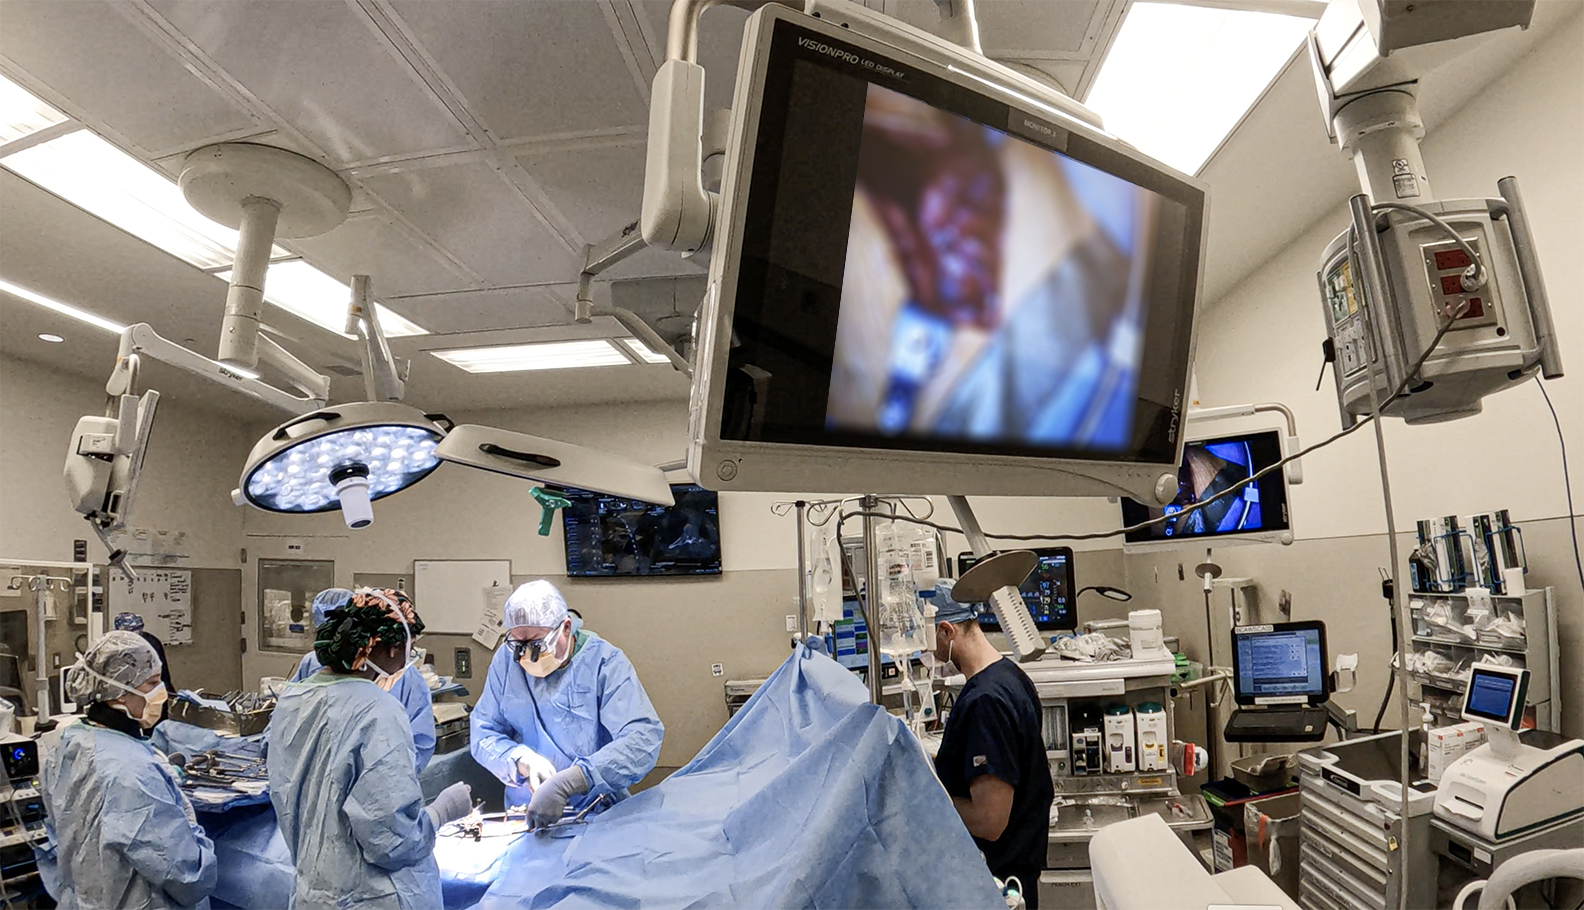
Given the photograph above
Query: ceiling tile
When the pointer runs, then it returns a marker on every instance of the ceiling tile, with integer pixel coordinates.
(599, 189)
(320, 67)
(470, 210)
(485, 310)
(370, 245)
(1035, 27)
(530, 69)
(112, 70)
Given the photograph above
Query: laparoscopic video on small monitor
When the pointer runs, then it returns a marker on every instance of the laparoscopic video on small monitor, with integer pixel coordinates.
(993, 289)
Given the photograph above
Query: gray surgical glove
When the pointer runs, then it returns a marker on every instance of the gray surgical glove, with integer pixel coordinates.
(453, 803)
(550, 800)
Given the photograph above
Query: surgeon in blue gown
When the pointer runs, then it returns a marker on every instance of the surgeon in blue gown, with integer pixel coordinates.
(341, 772)
(121, 832)
(562, 720)
(409, 688)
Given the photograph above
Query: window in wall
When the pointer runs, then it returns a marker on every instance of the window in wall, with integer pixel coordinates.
(286, 589)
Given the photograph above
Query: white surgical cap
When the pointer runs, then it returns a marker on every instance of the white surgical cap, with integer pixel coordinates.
(327, 600)
(121, 656)
(536, 603)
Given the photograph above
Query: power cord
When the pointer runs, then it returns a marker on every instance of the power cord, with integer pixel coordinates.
(1567, 481)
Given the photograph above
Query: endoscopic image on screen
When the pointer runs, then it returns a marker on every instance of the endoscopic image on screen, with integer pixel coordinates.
(1208, 469)
(993, 290)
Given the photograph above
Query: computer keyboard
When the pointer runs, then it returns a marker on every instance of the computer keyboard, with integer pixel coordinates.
(1285, 725)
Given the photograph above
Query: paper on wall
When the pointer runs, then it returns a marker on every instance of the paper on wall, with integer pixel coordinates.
(162, 597)
(492, 623)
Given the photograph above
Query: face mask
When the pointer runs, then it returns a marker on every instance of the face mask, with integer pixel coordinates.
(541, 661)
(153, 703)
(940, 669)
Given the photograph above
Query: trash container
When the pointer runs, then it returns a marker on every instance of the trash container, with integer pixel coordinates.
(1270, 827)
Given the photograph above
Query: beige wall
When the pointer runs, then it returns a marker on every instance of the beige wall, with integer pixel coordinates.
(1262, 343)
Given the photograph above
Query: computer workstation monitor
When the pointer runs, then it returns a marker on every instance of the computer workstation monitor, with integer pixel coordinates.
(1280, 664)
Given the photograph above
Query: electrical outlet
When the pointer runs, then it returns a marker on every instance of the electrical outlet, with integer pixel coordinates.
(717, 670)
(791, 622)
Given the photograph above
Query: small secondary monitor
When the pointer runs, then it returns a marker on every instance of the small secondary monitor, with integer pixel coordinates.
(929, 272)
(609, 536)
(1279, 664)
(1048, 591)
(1209, 467)
(1496, 695)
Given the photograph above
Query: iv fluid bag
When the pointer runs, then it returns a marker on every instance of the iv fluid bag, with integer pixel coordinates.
(901, 623)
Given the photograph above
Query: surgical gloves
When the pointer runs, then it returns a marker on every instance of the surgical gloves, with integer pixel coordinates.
(453, 803)
(550, 799)
(534, 768)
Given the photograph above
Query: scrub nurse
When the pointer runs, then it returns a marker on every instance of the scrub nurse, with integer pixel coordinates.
(341, 772)
(121, 832)
(409, 688)
(563, 718)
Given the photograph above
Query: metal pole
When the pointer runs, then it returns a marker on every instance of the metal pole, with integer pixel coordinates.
(40, 586)
(870, 600)
(1364, 229)
(803, 572)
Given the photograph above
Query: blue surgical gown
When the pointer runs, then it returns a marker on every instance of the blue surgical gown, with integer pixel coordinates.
(411, 690)
(347, 798)
(592, 712)
(121, 833)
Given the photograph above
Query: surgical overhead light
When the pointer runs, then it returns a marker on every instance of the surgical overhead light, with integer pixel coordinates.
(342, 457)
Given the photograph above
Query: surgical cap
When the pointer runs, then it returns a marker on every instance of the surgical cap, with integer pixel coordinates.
(122, 656)
(343, 641)
(537, 604)
(327, 600)
(947, 609)
(128, 622)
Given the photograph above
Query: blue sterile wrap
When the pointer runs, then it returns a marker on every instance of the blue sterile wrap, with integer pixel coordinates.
(808, 797)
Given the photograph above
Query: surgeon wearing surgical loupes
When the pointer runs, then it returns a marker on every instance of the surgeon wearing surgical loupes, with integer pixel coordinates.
(409, 688)
(563, 720)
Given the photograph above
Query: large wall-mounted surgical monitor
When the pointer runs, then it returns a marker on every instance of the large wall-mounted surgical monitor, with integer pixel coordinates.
(928, 279)
(1210, 468)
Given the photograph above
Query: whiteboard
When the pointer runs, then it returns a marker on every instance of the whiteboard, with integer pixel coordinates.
(450, 593)
(162, 596)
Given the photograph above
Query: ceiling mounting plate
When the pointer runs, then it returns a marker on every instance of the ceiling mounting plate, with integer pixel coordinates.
(312, 198)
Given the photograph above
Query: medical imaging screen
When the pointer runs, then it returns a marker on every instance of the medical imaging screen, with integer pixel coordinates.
(1278, 663)
(615, 536)
(923, 268)
(1208, 471)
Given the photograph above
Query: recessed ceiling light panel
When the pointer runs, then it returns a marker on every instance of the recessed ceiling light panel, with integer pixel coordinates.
(1178, 78)
(545, 355)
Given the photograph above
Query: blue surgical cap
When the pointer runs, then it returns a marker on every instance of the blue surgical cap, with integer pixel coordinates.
(327, 600)
(947, 609)
(128, 622)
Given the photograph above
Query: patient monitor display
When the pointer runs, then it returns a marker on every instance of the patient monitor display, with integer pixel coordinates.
(915, 264)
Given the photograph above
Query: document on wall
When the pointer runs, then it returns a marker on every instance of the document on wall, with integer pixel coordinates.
(492, 623)
(162, 596)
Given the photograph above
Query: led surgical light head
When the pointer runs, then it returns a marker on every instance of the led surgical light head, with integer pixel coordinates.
(343, 457)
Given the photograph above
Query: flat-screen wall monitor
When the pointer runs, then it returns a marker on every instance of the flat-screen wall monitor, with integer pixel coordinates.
(922, 279)
(1047, 592)
(1255, 513)
(614, 536)
(1284, 663)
